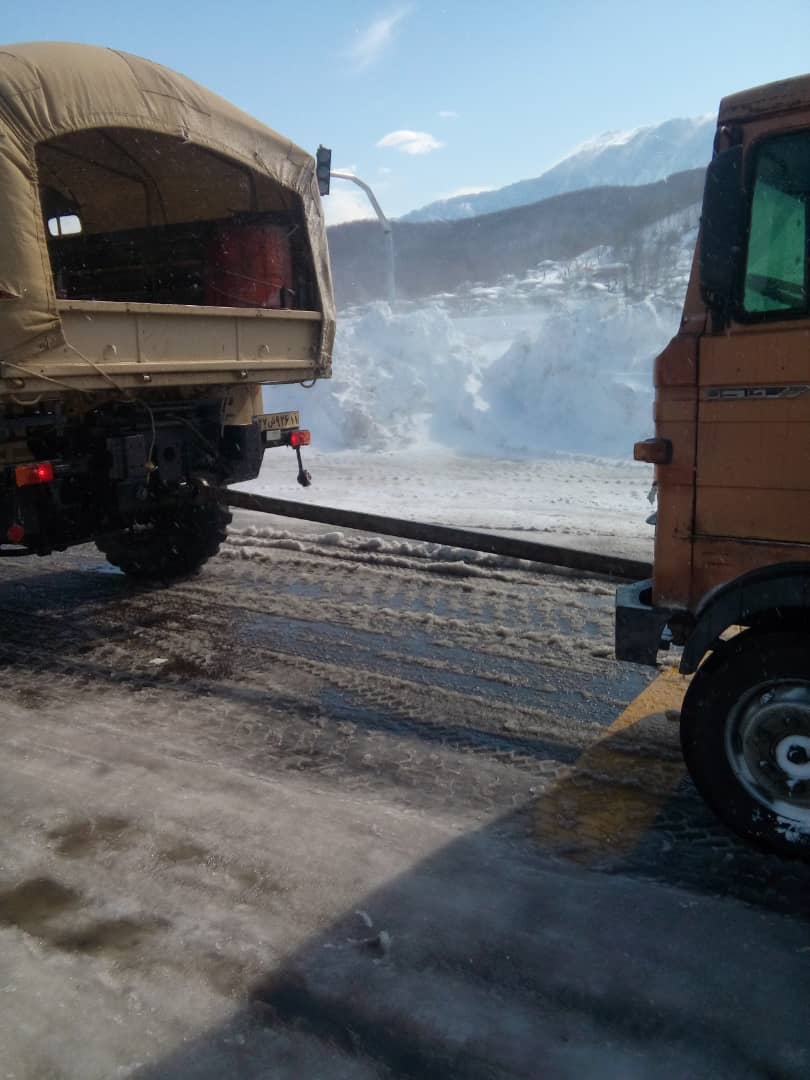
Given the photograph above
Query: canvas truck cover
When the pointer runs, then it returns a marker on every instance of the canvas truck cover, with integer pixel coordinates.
(52, 90)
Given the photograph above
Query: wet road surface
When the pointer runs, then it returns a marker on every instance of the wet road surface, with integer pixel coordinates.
(334, 809)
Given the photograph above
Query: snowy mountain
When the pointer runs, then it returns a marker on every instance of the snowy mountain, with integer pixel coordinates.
(447, 257)
(634, 157)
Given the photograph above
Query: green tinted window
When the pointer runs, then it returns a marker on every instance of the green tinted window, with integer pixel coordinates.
(775, 273)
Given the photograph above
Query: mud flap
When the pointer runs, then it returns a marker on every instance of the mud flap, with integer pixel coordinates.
(639, 625)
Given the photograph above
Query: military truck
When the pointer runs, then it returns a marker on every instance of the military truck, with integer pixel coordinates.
(164, 256)
(731, 577)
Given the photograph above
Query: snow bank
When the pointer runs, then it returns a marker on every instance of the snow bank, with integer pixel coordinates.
(548, 364)
(581, 383)
(398, 376)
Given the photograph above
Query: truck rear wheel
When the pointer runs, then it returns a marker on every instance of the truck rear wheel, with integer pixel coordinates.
(745, 734)
(175, 544)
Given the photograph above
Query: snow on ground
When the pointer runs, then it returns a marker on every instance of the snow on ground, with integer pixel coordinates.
(586, 502)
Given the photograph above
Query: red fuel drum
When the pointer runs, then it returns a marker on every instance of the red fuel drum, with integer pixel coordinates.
(249, 264)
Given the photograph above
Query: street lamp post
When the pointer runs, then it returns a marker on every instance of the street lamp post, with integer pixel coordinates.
(386, 228)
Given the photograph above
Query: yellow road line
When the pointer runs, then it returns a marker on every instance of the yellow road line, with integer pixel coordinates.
(616, 789)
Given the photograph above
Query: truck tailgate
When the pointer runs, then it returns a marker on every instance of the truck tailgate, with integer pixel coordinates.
(172, 344)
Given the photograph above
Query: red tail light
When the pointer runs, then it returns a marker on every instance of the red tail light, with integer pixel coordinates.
(15, 534)
(300, 438)
(39, 473)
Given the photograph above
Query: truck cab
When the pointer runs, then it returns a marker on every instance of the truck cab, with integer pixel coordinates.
(731, 576)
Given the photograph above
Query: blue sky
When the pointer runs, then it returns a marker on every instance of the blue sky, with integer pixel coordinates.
(426, 99)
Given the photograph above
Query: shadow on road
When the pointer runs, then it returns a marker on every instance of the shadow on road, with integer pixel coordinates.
(486, 960)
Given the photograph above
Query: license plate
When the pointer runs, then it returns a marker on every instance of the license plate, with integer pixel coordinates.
(278, 421)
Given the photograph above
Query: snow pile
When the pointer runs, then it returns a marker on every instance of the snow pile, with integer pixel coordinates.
(582, 383)
(398, 377)
(557, 360)
(577, 380)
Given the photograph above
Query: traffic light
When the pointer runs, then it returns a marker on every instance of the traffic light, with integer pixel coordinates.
(323, 169)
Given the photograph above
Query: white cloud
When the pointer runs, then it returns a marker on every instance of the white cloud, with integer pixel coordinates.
(346, 203)
(448, 114)
(376, 37)
(384, 171)
(410, 142)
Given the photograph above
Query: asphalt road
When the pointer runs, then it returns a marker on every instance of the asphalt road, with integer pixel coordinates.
(340, 807)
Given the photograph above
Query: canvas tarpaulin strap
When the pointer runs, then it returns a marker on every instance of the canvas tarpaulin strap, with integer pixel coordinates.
(48, 90)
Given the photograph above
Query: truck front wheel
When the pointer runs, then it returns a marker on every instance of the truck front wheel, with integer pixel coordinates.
(745, 734)
(173, 545)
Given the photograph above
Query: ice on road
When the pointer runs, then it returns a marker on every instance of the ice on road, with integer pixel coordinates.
(346, 828)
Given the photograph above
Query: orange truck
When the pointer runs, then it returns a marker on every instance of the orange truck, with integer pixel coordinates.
(731, 577)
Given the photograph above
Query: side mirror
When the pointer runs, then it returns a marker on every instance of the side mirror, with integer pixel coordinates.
(722, 238)
(323, 169)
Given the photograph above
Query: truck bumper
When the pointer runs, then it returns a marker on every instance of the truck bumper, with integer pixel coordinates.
(639, 625)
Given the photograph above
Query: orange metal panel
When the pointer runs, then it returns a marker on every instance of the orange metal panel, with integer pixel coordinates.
(717, 560)
(677, 364)
(750, 455)
(766, 514)
(673, 547)
(674, 407)
(752, 502)
(760, 355)
(791, 410)
(676, 413)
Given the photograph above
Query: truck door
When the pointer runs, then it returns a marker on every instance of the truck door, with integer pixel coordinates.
(752, 503)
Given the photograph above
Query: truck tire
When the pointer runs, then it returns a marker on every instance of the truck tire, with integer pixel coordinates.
(745, 735)
(173, 546)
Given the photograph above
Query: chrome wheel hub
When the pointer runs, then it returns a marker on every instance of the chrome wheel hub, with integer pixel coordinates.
(768, 748)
